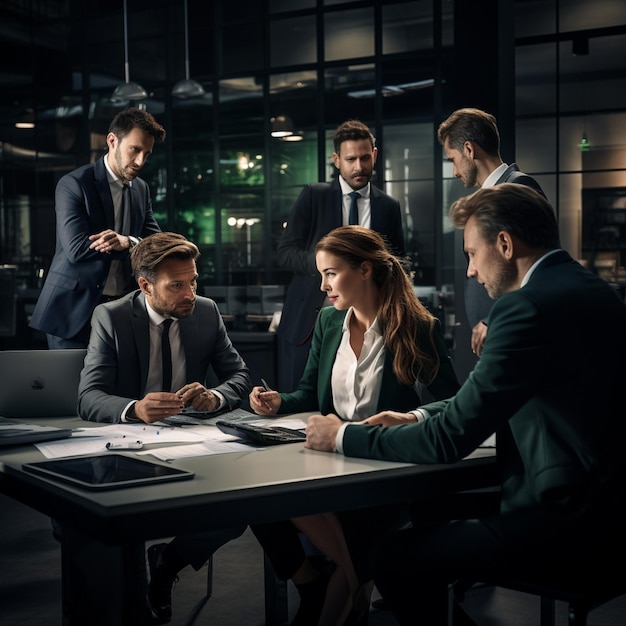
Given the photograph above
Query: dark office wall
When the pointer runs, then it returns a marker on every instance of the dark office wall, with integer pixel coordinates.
(485, 63)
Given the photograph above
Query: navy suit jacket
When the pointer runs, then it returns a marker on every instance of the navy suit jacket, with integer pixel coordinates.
(549, 383)
(117, 360)
(316, 212)
(314, 392)
(76, 278)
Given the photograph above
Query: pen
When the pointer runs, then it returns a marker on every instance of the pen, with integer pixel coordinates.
(265, 385)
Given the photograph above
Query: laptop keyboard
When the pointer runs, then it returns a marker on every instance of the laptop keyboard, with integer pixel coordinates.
(265, 435)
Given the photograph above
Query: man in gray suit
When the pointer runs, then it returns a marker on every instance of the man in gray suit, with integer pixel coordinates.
(126, 379)
(102, 210)
(471, 142)
(319, 208)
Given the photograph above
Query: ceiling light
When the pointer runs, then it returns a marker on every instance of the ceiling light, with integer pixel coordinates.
(297, 136)
(282, 126)
(127, 90)
(187, 88)
(26, 121)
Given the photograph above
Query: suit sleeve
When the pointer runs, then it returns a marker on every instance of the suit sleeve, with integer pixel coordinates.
(76, 220)
(293, 252)
(98, 396)
(496, 389)
(149, 225)
(231, 370)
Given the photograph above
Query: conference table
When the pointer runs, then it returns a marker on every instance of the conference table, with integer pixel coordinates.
(103, 532)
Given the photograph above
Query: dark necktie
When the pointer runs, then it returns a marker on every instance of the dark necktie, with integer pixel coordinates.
(166, 356)
(354, 209)
(125, 221)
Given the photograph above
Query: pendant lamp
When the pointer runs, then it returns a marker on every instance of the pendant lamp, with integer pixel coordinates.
(127, 90)
(187, 88)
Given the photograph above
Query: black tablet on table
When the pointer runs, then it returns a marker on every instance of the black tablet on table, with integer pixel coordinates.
(108, 471)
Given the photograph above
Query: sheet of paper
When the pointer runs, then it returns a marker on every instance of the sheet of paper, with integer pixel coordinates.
(490, 442)
(205, 448)
(93, 440)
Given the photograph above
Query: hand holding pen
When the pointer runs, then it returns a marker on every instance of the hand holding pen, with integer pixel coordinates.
(264, 400)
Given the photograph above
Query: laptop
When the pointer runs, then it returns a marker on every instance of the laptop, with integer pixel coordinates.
(40, 383)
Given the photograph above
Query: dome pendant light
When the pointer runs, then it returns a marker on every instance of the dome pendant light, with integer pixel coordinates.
(127, 90)
(187, 88)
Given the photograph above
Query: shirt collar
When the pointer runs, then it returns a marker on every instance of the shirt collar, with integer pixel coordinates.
(155, 318)
(111, 177)
(346, 189)
(491, 180)
(533, 267)
(374, 328)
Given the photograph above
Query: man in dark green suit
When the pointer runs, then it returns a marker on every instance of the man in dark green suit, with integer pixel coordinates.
(549, 383)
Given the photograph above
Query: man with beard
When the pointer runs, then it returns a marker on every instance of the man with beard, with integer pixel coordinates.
(552, 396)
(471, 142)
(102, 210)
(320, 208)
(126, 379)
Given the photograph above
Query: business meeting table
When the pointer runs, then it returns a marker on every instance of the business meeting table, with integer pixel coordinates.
(103, 532)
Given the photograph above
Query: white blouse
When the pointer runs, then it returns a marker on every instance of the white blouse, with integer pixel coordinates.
(356, 383)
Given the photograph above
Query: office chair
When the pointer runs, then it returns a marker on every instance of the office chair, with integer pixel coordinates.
(205, 598)
(583, 588)
(276, 592)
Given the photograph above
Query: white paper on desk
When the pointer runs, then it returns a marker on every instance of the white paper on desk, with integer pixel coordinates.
(205, 448)
(93, 440)
(490, 442)
(283, 422)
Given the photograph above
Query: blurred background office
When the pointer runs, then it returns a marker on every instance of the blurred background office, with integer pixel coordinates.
(250, 94)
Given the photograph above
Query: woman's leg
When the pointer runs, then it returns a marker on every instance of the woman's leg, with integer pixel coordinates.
(325, 533)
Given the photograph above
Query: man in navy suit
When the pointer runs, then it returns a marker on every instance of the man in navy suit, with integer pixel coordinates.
(320, 208)
(471, 142)
(102, 210)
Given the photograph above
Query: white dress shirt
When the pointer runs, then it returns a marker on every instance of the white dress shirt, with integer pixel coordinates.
(364, 204)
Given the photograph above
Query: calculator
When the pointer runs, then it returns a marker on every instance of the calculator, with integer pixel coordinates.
(262, 435)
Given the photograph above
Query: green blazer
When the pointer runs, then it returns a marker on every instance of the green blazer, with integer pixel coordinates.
(314, 392)
(549, 383)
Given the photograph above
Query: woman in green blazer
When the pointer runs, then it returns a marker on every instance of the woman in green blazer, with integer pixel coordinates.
(376, 348)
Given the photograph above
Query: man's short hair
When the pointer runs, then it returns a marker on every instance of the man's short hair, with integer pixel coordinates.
(352, 130)
(516, 209)
(134, 117)
(472, 125)
(150, 252)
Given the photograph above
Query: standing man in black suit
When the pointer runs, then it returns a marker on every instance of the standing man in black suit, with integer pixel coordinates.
(471, 142)
(320, 208)
(102, 210)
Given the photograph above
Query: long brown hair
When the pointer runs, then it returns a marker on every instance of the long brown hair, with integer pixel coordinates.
(400, 313)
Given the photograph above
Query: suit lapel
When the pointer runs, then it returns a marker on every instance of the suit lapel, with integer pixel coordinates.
(104, 191)
(335, 206)
(141, 333)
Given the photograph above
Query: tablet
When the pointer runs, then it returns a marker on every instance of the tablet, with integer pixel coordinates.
(109, 471)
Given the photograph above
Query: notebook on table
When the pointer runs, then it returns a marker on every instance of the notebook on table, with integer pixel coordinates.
(39, 383)
(16, 432)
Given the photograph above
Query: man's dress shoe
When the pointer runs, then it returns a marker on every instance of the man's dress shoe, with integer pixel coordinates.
(160, 587)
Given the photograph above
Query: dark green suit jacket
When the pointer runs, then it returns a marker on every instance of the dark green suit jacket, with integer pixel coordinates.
(550, 384)
(314, 392)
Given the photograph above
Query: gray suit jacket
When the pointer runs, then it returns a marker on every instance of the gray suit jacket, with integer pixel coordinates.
(116, 365)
